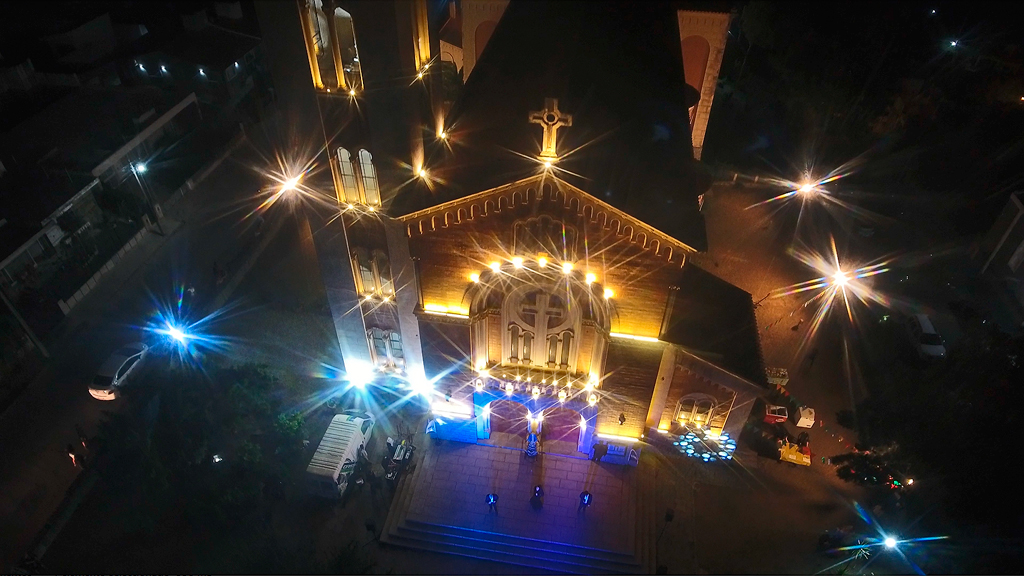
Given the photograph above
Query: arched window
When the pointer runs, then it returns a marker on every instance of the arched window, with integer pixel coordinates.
(364, 273)
(370, 186)
(527, 346)
(397, 354)
(386, 348)
(514, 338)
(696, 409)
(378, 346)
(566, 347)
(387, 287)
(350, 190)
(346, 31)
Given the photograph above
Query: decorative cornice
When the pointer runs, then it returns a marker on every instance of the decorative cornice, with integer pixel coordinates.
(528, 190)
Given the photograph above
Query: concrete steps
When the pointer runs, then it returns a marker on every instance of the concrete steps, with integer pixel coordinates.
(526, 552)
(532, 554)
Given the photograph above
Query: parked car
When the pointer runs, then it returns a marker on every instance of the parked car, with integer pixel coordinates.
(117, 370)
(924, 337)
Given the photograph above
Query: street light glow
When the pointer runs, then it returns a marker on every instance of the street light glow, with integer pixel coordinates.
(291, 183)
(422, 173)
(141, 168)
(177, 333)
(953, 43)
(807, 188)
(840, 278)
(890, 542)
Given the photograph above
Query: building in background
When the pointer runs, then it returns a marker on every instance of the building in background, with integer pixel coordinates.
(1003, 247)
(75, 190)
(218, 56)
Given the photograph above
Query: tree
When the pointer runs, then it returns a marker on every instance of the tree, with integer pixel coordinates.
(212, 444)
(965, 413)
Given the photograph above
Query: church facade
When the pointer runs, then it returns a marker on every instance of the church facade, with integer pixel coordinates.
(524, 264)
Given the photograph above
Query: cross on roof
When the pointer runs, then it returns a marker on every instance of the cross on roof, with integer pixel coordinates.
(551, 119)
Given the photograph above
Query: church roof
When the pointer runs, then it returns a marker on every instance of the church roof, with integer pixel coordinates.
(715, 321)
(428, 219)
(617, 69)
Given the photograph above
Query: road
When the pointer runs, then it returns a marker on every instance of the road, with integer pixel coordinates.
(35, 471)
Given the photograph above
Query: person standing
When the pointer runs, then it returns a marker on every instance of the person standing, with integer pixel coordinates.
(584, 501)
(537, 500)
(600, 450)
(492, 503)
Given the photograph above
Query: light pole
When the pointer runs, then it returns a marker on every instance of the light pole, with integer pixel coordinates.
(141, 168)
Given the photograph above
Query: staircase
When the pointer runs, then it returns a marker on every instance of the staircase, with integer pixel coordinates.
(533, 555)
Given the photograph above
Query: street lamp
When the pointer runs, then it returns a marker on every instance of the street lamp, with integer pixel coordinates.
(141, 168)
(840, 278)
(290, 184)
(890, 542)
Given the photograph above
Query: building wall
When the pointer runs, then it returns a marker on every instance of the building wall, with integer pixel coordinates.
(1004, 238)
(639, 278)
(712, 28)
(479, 17)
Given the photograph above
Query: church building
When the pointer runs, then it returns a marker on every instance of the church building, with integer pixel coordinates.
(517, 249)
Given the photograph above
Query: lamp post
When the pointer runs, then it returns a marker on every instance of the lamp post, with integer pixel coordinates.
(141, 168)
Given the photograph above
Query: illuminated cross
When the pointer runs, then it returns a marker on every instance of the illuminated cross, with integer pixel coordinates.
(551, 120)
(545, 309)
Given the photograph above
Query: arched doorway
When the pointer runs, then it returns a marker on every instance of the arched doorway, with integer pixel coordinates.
(560, 432)
(508, 417)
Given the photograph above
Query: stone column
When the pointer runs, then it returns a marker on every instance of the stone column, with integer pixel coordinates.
(666, 370)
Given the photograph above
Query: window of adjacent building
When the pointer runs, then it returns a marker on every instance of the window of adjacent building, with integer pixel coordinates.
(350, 190)
(369, 174)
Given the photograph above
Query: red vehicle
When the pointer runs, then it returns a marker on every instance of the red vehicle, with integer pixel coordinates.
(776, 414)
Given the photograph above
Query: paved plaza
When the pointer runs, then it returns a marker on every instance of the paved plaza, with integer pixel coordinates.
(452, 486)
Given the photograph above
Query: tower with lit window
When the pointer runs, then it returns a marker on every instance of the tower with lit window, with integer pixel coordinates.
(342, 71)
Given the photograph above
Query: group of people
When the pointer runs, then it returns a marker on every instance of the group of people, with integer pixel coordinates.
(537, 500)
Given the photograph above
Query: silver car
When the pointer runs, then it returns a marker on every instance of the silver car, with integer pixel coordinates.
(118, 368)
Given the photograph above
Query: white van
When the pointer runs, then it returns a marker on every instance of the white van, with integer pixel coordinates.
(336, 456)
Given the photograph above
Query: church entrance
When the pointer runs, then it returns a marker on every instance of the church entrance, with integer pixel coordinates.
(509, 418)
(560, 430)
(510, 423)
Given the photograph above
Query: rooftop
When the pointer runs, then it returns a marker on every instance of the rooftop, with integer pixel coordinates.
(67, 135)
(212, 45)
(715, 321)
(629, 143)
